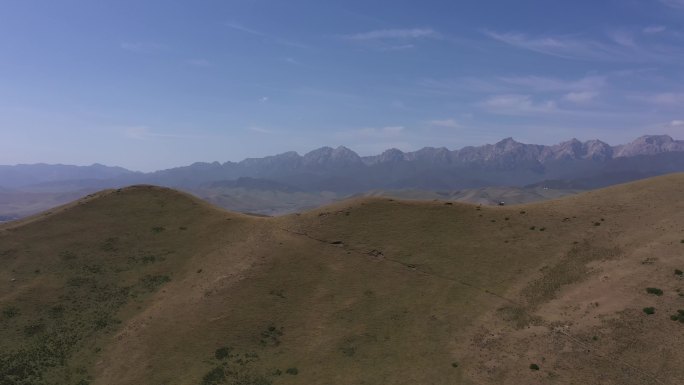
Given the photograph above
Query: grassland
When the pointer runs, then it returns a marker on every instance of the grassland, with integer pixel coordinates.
(146, 285)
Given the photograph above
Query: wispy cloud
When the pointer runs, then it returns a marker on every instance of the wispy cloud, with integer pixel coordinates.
(518, 105)
(559, 46)
(141, 47)
(544, 84)
(679, 4)
(580, 97)
(677, 123)
(622, 37)
(260, 130)
(621, 45)
(446, 123)
(199, 63)
(388, 132)
(410, 33)
(144, 133)
(392, 39)
(663, 99)
(651, 30)
(266, 36)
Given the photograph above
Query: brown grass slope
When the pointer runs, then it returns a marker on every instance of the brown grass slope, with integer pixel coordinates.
(149, 286)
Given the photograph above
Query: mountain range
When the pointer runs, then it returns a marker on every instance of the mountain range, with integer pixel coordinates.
(293, 181)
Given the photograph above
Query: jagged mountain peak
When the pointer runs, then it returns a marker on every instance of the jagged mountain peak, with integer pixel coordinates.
(335, 157)
(649, 145)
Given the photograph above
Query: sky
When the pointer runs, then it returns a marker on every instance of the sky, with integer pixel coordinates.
(152, 84)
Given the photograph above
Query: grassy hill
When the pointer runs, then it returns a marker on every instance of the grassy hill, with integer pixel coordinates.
(146, 285)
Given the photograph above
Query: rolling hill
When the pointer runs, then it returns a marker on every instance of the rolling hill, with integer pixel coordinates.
(147, 285)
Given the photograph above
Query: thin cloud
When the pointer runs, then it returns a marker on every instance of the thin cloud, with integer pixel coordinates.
(388, 132)
(518, 105)
(141, 47)
(623, 38)
(411, 33)
(677, 123)
(144, 133)
(200, 63)
(664, 99)
(446, 123)
(621, 46)
(400, 47)
(546, 84)
(678, 4)
(580, 97)
(654, 29)
(559, 46)
(265, 36)
(260, 130)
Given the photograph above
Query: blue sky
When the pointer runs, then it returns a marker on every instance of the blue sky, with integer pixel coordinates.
(156, 84)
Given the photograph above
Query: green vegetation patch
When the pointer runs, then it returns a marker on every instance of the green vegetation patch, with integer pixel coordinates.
(271, 336)
(679, 316)
(46, 338)
(10, 312)
(152, 282)
(649, 310)
(654, 291)
(572, 268)
(232, 368)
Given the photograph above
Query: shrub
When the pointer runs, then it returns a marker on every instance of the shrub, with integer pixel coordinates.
(454, 364)
(151, 282)
(158, 229)
(678, 317)
(679, 272)
(10, 312)
(534, 367)
(597, 223)
(292, 371)
(222, 353)
(649, 310)
(533, 227)
(214, 377)
(542, 228)
(654, 290)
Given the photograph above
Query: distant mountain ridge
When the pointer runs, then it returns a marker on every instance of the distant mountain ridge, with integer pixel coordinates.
(506, 162)
(340, 169)
(32, 174)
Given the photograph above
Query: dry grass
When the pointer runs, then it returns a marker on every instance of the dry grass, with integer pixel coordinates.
(147, 285)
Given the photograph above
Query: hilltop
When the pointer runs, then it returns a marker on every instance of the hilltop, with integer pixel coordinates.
(150, 285)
